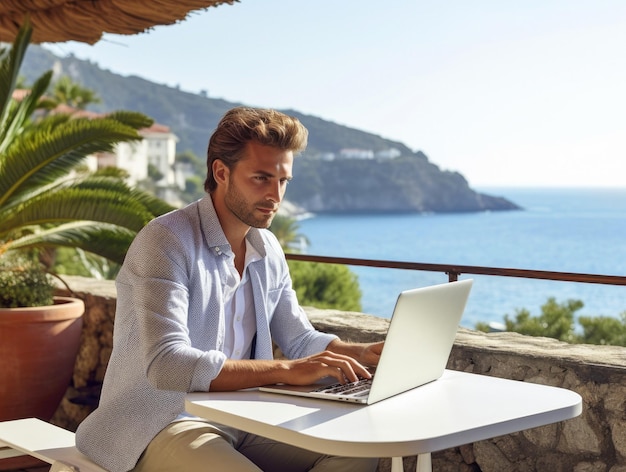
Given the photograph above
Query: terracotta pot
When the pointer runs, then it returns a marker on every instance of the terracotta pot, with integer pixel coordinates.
(38, 348)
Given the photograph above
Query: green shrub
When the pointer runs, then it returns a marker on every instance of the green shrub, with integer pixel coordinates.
(558, 321)
(23, 283)
(326, 285)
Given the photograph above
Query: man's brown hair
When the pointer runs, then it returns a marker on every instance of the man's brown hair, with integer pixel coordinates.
(244, 124)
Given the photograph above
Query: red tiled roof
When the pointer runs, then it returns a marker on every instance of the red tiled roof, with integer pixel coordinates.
(19, 94)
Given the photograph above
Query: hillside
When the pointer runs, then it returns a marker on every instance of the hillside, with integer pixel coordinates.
(328, 182)
(406, 184)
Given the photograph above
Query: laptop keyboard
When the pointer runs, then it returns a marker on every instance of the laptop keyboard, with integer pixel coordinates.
(358, 388)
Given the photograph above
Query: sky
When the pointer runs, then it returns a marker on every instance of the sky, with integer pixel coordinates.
(524, 93)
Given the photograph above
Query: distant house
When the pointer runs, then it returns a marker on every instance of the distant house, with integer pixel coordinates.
(356, 153)
(155, 154)
(350, 153)
(327, 156)
(390, 153)
(152, 157)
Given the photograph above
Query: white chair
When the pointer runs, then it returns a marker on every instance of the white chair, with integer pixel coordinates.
(46, 442)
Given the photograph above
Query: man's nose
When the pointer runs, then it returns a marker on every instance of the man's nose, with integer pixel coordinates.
(275, 193)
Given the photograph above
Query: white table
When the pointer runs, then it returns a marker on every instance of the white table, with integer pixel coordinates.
(459, 408)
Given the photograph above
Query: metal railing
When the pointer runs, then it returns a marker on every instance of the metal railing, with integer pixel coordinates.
(453, 271)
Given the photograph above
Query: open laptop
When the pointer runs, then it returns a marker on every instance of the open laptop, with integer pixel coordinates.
(416, 351)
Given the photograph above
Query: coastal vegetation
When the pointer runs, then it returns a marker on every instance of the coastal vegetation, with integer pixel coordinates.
(48, 197)
(392, 178)
(558, 321)
(316, 284)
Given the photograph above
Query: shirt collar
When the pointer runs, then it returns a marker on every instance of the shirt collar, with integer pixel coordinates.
(214, 234)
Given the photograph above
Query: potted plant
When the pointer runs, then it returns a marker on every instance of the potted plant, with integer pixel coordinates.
(46, 202)
(39, 340)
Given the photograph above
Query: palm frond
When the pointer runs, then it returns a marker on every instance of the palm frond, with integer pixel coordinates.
(46, 123)
(71, 204)
(23, 111)
(50, 153)
(44, 201)
(153, 205)
(108, 241)
(133, 119)
(9, 71)
(99, 181)
(10, 111)
(111, 172)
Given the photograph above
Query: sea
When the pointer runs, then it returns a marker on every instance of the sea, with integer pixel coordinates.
(580, 230)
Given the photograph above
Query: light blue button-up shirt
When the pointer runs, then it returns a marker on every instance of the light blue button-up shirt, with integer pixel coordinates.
(170, 327)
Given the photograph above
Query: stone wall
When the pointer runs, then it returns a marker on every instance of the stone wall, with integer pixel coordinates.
(593, 442)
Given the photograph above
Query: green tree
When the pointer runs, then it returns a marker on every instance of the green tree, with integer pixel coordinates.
(194, 185)
(317, 284)
(603, 330)
(556, 320)
(46, 201)
(194, 189)
(75, 261)
(286, 230)
(154, 173)
(21, 83)
(188, 157)
(326, 285)
(66, 91)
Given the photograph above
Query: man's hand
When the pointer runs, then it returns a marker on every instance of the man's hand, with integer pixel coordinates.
(367, 354)
(346, 362)
(371, 354)
(325, 364)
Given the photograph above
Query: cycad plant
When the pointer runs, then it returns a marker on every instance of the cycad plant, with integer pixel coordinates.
(45, 200)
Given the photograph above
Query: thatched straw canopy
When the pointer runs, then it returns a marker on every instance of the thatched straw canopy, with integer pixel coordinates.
(86, 20)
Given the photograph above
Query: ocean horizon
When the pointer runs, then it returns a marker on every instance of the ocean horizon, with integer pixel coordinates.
(575, 230)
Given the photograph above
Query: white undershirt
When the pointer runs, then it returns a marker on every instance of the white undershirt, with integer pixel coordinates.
(239, 310)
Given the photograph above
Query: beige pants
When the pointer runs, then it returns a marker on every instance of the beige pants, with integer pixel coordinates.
(194, 446)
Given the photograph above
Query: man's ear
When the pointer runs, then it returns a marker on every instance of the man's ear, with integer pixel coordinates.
(220, 171)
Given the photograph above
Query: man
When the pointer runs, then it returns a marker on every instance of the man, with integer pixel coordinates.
(201, 295)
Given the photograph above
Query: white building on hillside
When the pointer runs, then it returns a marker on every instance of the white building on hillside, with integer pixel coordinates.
(390, 153)
(351, 153)
(156, 152)
(161, 150)
(131, 157)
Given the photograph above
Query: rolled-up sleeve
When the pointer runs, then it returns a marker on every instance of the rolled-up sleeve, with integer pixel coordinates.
(162, 306)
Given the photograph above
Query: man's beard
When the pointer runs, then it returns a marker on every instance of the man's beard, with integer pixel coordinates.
(245, 211)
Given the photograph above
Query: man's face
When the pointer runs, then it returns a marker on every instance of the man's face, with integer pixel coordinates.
(257, 184)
